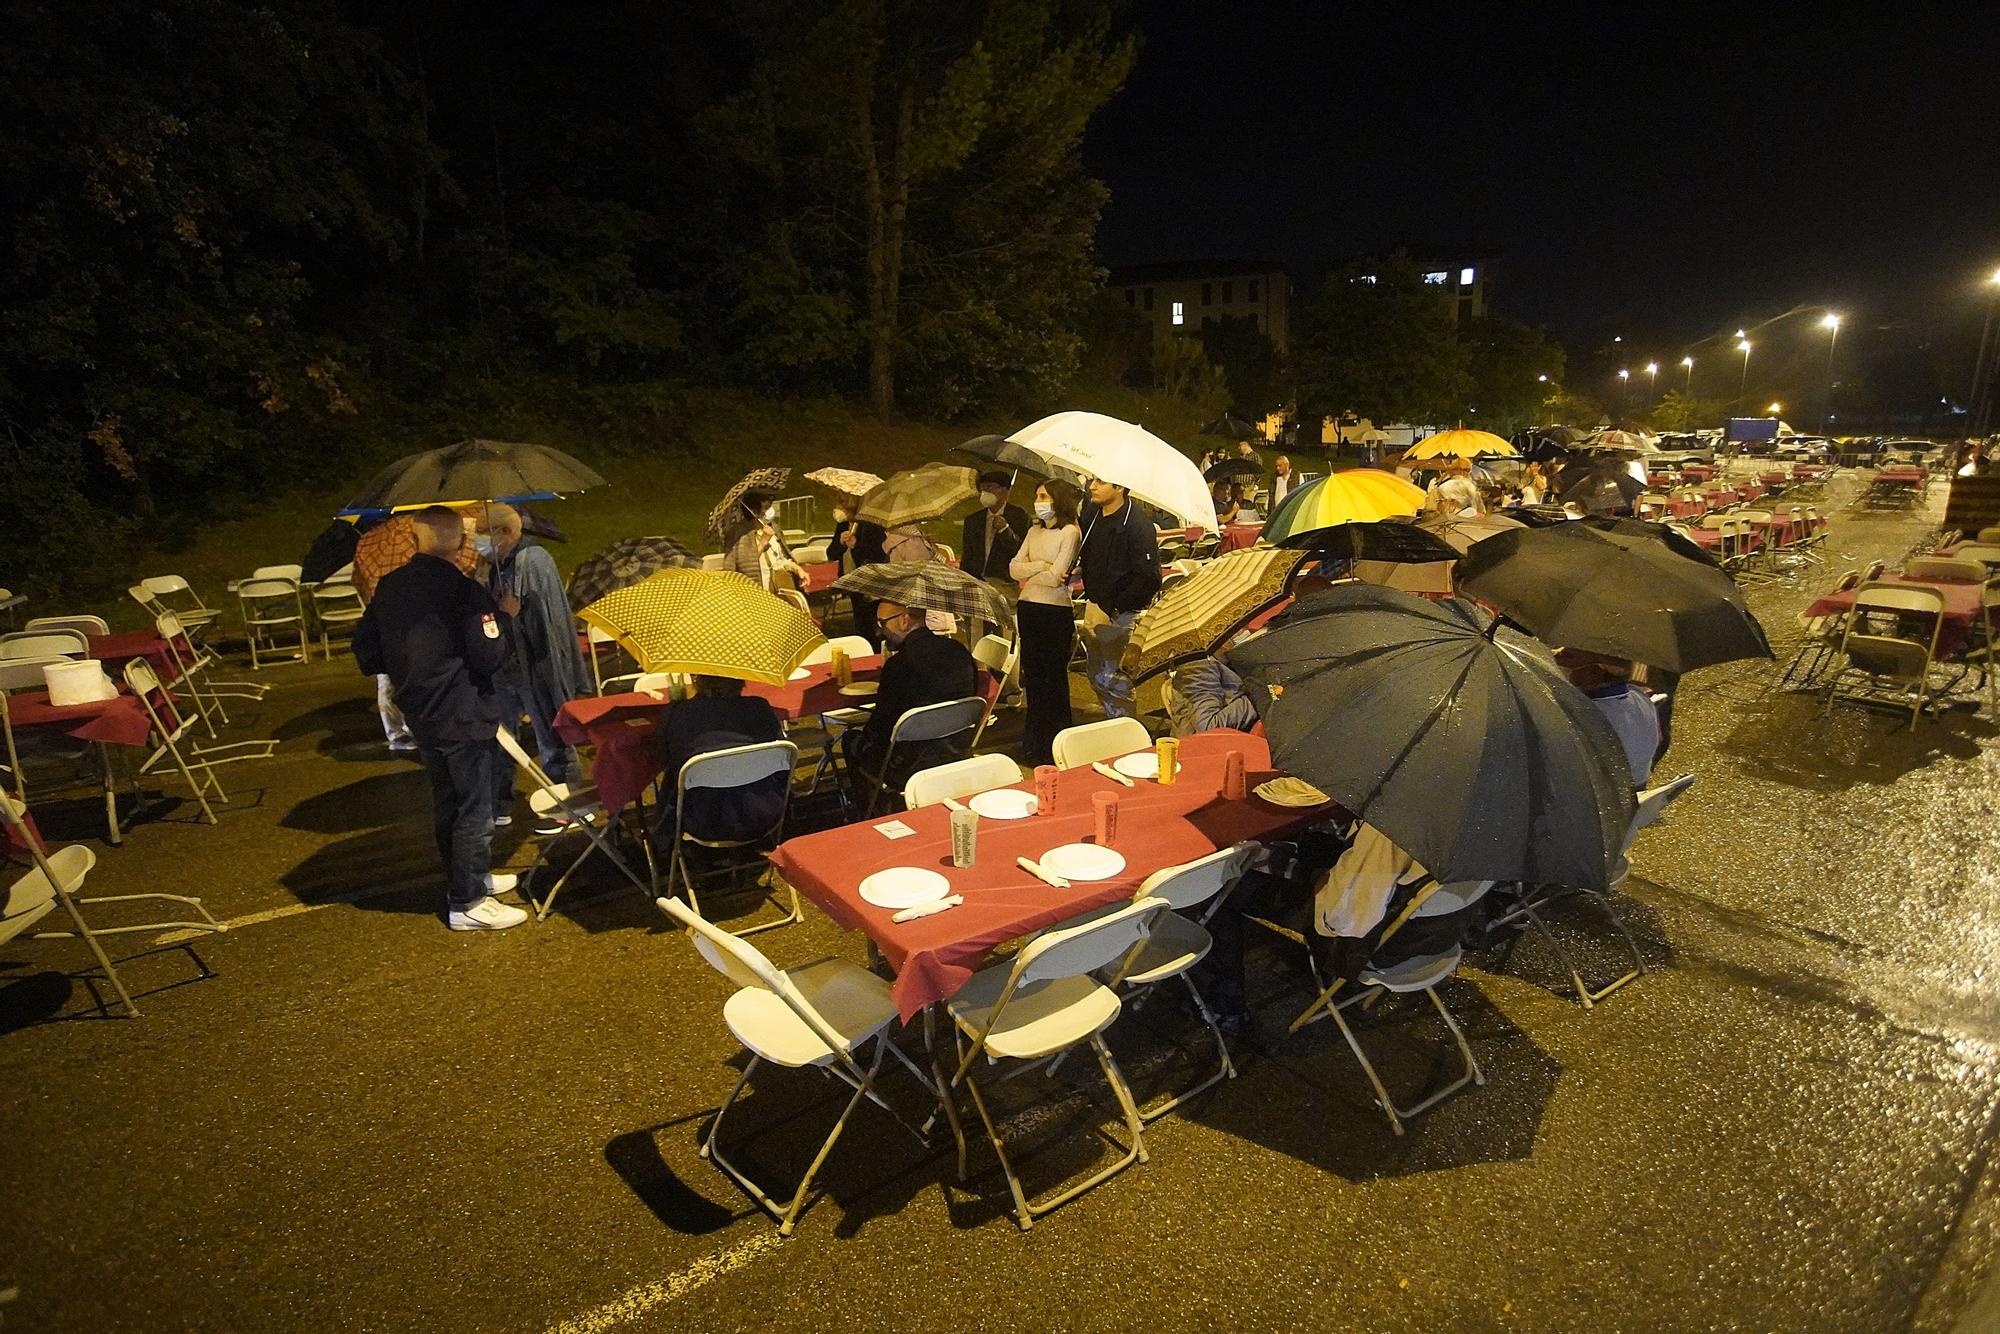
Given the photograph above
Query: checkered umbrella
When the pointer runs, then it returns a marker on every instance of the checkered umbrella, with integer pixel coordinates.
(706, 622)
(847, 481)
(930, 584)
(392, 544)
(918, 494)
(1202, 612)
(625, 563)
(761, 481)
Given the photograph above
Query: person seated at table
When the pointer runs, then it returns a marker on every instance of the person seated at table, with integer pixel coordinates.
(1628, 708)
(1364, 891)
(1244, 504)
(1225, 503)
(1206, 694)
(1454, 491)
(718, 716)
(925, 668)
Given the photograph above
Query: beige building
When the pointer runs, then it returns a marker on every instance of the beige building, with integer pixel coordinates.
(1182, 298)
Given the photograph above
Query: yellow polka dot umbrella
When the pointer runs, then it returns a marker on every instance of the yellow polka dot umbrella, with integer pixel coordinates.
(1459, 444)
(708, 623)
(1358, 495)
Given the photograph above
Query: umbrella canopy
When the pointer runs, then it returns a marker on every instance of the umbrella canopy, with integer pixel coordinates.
(998, 449)
(474, 470)
(931, 585)
(1624, 594)
(1231, 470)
(707, 622)
(1599, 485)
(392, 544)
(1456, 532)
(917, 494)
(1383, 540)
(1657, 532)
(847, 481)
(1459, 444)
(1358, 495)
(1232, 428)
(1091, 444)
(333, 548)
(534, 525)
(758, 481)
(625, 563)
(1472, 754)
(1201, 612)
(1627, 440)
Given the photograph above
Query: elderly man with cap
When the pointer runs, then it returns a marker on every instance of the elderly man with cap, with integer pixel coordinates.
(544, 668)
(440, 639)
(1120, 560)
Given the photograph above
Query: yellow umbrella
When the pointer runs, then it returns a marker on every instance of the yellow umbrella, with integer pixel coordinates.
(708, 623)
(1461, 444)
(1358, 495)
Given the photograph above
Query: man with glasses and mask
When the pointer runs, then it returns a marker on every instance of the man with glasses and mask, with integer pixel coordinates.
(544, 667)
(1120, 561)
(922, 668)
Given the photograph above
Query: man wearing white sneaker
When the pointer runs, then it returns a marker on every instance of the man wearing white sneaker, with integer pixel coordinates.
(440, 638)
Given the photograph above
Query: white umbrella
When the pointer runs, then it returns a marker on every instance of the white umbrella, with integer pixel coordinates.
(1131, 456)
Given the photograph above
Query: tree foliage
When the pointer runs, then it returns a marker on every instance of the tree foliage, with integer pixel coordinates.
(1250, 361)
(1677, 412)
(1379, 340)
(1511, 367)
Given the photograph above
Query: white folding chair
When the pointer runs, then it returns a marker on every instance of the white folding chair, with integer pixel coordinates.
(172, 593)
(25, 674)
(1945, 569)
(336, 601)
(821, 1015)
(921, 726)
(1986, 553)
(89, 625)
(270, 605)
(1822, 641)
(1877, 643)
(294, 572)
(1032, 1009)
(854, 646)
(145, 685)
(192, 661)
(1001, 658)
(833, 722)
(55, 879)
(585, 813)
(960, 778)
(736, 767)
(1105, 739)
(45, 644)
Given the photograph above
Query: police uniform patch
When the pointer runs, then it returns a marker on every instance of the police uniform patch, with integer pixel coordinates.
(488, 624)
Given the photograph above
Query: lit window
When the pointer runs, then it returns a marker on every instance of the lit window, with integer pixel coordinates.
(1251, 293)
(1180, 316)
(1365, 278)
(1465, 277)
(1438, 278)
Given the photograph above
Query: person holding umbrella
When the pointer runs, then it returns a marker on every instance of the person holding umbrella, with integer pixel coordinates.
(990, 537)
(1120, 557)
(1042, 567)
(544, 668)
(1607, 683)
(861, 543)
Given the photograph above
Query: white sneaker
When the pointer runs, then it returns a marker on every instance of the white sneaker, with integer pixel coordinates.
(489, 914)
(499, 882)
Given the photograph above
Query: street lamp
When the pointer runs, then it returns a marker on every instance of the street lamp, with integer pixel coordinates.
(1687, 364)
(1982, 375)
(1652, 380)
(1743, 346)
(1775, 409)
(1831, 323)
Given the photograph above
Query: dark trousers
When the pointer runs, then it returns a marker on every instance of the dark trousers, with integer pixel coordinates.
(461, 777)
(1047, 634)
(556, 756)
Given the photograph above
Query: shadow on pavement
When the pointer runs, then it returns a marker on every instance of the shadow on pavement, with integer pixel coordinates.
(396, 855)
(1788, 742)
(398, 797)
(347, 729)
(635, 1156)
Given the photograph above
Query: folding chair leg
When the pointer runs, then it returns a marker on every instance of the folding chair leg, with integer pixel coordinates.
(1226, 1069)
(785, 1215)
(1382, 1098)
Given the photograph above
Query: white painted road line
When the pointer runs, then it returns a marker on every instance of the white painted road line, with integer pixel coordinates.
(649, 1297)
(294, 909)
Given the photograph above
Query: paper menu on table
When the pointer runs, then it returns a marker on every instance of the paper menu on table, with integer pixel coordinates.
(894, 829)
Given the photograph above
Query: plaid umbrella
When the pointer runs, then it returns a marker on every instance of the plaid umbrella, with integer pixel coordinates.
(1459, 444)
(918, 494)
(761, 481)
(847, 481)
(392, 544)
(707, 622)
(1199, 614)
(1358, 495)
(474, 470)
(625, 563)
(930, 584)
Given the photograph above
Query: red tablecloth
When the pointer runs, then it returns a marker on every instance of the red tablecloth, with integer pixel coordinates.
(1899, 476)
(1157, 827)
(1773, 479)
(121, 721)
(1720, 497)
(1751, 490)
(1711, 538)
(114, 651)
(1961, 610)
(1659, 479)
(1237, 536)
(621, 726)
(820, 574)
(1801, 471)
(1701, 472)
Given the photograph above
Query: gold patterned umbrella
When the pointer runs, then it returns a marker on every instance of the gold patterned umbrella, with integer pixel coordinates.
(918, 494)
(846, 481)
(1199, 614)
(708, 623)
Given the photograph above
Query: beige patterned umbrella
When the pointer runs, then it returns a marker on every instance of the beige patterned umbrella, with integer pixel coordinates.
(918, 494)
(847, 481)
(708, 623)
(762, 481)
(1199, 614)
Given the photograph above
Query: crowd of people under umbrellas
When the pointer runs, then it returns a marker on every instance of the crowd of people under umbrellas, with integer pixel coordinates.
(477, 628)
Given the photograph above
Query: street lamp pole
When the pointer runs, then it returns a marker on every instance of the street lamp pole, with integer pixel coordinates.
(1743, 384)
(1982, 373)
(1687, 363)
(1832, 325)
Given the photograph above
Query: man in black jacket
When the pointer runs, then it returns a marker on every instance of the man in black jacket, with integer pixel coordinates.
(925, 669)
(440, 638)
(1120, 561)
(990, 539)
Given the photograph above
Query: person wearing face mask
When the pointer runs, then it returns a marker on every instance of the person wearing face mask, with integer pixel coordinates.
(1043, 566)
(859, 543)
(753, 548)
(1120, 559)
(925, 668)
(990, 538)
(544, 668)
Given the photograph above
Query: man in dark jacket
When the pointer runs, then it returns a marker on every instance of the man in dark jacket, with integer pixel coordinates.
(440, 639)
(719, 716)
(1120, 561)
(925, 669)
(992, 536)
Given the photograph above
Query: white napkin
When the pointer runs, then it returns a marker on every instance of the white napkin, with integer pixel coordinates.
(951, 805)
(1034, 869)
(926, 909)
(1111, 773)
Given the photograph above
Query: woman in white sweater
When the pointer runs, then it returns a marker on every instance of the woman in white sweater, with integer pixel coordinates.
(1042, 567)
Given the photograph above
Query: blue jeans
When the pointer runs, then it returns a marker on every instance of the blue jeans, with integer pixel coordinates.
(461, 777)
(556, 756)
(1106, 646)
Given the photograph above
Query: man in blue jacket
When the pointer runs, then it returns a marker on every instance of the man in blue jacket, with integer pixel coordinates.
(440, 638)
(544, 668)
(1120, 561)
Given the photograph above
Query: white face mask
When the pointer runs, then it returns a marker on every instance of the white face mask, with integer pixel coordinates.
(989, 500)
(1044, 510)
(770, 513)
(840, 514)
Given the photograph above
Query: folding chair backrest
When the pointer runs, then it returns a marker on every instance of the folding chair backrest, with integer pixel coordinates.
(991, 653)
(649, 683)
(255, 589)
(1194, 883)
(854, 646)
(1653, 801)
(1991, 534)
(936, 722)
(1986, 553)
(295, 573)
(1880, 652)
(168, 627)
(745, 965)
(145, 597)
(160, 585)
(26, 673)
(1075, 747)
(43, 643)
(739, 766)
(796, 598)
(1097, 943)
(960, 778)
(90, 625)
(1946, 569)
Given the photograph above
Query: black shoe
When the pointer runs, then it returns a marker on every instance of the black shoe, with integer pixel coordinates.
(1233, 1023)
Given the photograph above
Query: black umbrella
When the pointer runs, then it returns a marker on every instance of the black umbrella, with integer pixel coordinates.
(1626, 594)
(1475, 756)
(1402, 543)
(999, 449)
(1232, 428)
(1533, 516)
(474, 470)
(1600, 485)
(629, 561)
(1658, 532)
(331, 550)
(534, 525)
(1231, 470)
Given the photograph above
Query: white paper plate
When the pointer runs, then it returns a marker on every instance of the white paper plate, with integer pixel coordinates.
(1083, 861)
(799, 674)
(1142, 764)
(1291, 792)
(861, 688)
(900, 887)
(1004, 803)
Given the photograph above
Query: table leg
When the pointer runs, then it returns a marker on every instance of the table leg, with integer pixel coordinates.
(110, 795)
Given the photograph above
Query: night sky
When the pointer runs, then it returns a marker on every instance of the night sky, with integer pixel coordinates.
(1653, 171)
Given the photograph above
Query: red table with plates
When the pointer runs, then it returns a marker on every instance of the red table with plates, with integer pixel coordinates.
(1700, 472)
(1158, 826)
(118, 721)
(1962, 609)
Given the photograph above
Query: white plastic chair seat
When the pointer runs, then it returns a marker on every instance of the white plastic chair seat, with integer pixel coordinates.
(855, 1003)
(32, 897)
(581, 798)
(1036, 1023)
(340, 616)
(1176, 945)
(1426, 970)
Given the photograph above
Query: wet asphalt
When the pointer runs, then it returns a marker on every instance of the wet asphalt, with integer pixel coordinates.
(362, 1121)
